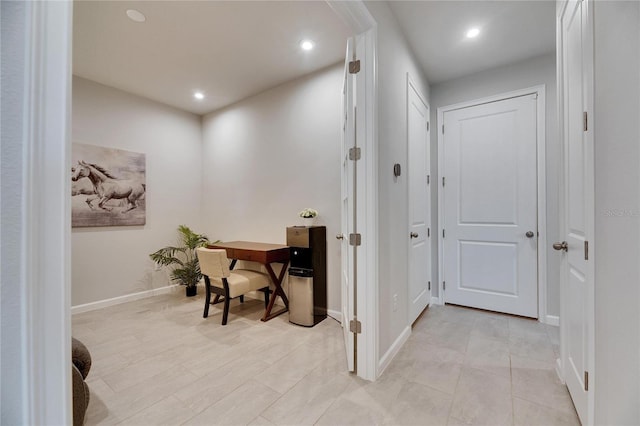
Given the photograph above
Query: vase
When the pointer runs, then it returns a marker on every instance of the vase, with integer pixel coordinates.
(191, 290)
(308, 221)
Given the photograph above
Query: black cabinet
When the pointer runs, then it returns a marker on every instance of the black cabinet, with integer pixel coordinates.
(307, 274)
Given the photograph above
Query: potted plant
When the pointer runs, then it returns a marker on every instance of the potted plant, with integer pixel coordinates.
(187, 269)
(308, 216)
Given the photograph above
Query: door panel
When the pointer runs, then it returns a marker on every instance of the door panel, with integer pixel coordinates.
(490, 203)
(488, 267)
(419, 203)
(488, 192)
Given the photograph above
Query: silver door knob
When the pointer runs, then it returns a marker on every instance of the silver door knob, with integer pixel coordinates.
(413, 235)
(340, 236)
(529, 234)
(561, 246)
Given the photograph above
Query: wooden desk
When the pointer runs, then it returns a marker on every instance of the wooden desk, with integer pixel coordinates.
(265, 254)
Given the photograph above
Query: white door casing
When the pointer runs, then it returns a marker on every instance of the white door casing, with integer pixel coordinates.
(575, 65)
(347, 209)
(418, 149)
(489, 203)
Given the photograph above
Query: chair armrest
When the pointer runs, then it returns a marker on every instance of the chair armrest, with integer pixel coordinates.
(80, 357)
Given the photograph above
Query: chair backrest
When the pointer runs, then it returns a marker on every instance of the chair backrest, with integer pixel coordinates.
(213, 262)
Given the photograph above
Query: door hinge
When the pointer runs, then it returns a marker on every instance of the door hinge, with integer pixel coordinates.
(429, 285)
(443, 129)
(585, 119)
(355, 153)
(427, 126)
(443, 233)
(354, 67)
(428, 179)
(355, 239)
(586, 380)
(444, 285)
(428, 232)
(442, 180)
(355, 326)
(586, 250)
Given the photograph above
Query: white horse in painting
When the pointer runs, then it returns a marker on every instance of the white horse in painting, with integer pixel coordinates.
(82, 186)
(108, 187)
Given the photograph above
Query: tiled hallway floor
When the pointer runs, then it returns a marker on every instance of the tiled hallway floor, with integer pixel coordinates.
(157, 361)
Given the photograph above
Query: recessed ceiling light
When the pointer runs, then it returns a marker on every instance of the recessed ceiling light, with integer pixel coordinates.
(136, 15)
(307, 44)
(473, 32)
(198, 95)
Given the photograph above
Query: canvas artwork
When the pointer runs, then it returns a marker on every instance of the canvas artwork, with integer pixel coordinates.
(107, 187)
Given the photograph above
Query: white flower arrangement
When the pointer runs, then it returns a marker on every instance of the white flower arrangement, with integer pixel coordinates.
(307, 213)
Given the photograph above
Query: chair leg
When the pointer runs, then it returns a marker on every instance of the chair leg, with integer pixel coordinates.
(266, 297)
(225, 313)
(207, 286)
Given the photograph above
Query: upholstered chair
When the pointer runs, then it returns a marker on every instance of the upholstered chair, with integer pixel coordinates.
(222, 281)
(80, 366)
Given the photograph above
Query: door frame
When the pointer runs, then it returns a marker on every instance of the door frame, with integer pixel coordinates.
(411, 84)
(39, 334)
(540, 91)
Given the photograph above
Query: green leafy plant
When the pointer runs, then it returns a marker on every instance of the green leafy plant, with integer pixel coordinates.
(187, 269)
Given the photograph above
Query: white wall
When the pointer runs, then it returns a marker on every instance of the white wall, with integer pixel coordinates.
(114, 261)
(267, 157)
(395, 60)
(617, 215)
(520, 75)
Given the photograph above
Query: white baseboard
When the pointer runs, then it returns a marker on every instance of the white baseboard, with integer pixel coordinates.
(78, 309)
(336, 315)
(559, 370)
(393, 350)
(435, 301)
(552, 320)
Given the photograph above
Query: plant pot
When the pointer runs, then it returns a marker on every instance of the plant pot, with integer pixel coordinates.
(308, 221)
(191, 290)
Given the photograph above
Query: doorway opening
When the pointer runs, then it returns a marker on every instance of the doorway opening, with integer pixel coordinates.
(492, 202)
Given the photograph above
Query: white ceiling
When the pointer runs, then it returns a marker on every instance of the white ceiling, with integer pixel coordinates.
(231, 50)
(510, 31)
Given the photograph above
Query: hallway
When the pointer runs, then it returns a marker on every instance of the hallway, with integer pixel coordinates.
(466, 366)
(157, 361)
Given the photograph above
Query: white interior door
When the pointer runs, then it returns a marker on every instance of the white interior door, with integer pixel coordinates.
(490, 206)
(347, 208)
(576, 208)
(419, 203)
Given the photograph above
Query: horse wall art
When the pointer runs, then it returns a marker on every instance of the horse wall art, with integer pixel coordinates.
(108, 187)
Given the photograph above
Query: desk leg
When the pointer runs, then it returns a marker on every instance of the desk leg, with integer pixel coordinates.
(277, 282)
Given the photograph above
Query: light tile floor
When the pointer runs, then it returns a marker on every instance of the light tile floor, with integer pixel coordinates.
(158, 362)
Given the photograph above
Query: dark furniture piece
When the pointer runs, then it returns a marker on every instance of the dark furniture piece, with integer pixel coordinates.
(266, 254)
(80, 366)
(307, 274)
